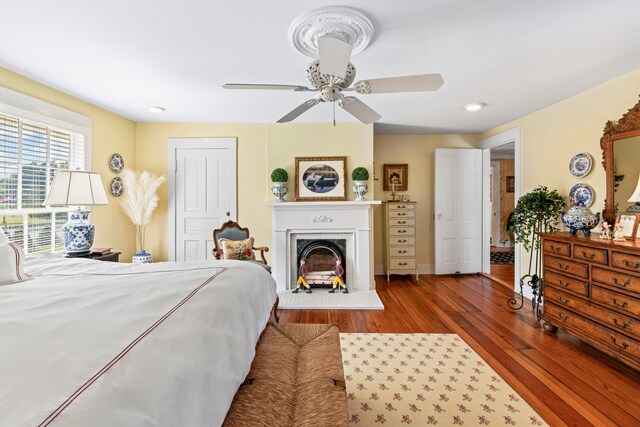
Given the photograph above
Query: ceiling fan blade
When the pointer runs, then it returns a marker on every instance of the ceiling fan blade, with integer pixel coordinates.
(299, 110)
(419, 83)
(334, 55)
(266, 87)
(359, 110)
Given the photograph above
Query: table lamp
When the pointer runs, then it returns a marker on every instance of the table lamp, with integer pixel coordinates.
(77, 188)
(635, 198)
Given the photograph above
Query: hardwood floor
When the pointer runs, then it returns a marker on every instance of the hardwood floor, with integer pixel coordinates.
(566, 381)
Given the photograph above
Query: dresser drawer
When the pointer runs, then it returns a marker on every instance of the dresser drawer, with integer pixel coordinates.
(572, 267)
(400, 221)
(558, 248)
(626, 261)
(563, 299)
(566, 283)
(401, 214)
(402, 241)
(620, 302)
(611, 339)
(613, 278)
(402, 251)
(401, 206)
(402, 264)
(402, 231)
(594, 255)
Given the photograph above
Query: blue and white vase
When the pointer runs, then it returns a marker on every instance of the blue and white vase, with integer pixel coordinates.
(581, 218)
(77, 234)
(279, 190)
(360, 188)
(142, 257)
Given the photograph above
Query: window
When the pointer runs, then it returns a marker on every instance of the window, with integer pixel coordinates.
(30, 154)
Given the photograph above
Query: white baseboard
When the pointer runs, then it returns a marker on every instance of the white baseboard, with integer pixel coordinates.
(422, 269)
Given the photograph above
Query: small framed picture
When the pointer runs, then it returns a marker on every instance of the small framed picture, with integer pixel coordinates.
(511, 184)
(395, 177)
(321, 178)
(629, 223)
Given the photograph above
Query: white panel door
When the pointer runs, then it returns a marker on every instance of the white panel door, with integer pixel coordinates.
(458, 211)
(203, 193)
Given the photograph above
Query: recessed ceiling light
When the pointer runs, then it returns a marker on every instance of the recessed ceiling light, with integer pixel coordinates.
(474, 106)
(157, 109)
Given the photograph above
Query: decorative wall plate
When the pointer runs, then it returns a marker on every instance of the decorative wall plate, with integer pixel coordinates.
(580, 165)
(116, 188)
(581, 193)
(116, 163)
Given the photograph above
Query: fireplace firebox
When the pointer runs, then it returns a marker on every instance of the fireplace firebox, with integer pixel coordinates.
(321, 256)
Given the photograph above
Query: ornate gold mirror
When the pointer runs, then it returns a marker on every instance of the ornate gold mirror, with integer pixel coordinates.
(620, 144)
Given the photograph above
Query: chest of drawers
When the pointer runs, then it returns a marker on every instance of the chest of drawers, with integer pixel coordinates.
(592, 290)
(400, 238)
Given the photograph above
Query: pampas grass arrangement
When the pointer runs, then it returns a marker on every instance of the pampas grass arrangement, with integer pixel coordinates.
(139, 199)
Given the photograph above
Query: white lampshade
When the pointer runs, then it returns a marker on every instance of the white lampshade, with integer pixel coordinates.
(636, 194)
(76, 188)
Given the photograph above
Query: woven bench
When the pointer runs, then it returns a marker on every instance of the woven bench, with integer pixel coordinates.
(296, 380)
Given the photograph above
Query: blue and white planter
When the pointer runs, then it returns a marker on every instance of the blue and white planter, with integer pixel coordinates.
(78, 233)
(279, 190)
(360, 188)
(142, 257)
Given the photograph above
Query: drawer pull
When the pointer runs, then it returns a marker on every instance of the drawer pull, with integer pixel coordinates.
(628, 264)
(591, 256)
(623, 346)
(622, 325)
(623, 304)
(401, 206)
(564, 301)
(623, 284)
(402, 252)
(403, 241)
(402, 214)
(562, 316)
(402, 231)
(556, 248)
(402, 222)
(402, 263)
(563, 268)
(564, 285)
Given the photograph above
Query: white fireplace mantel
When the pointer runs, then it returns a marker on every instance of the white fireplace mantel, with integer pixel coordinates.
(351, 219)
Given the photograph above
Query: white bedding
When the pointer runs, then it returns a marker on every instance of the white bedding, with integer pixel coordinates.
(88, 343)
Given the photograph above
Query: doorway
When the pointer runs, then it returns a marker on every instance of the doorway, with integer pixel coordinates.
(501, 190)
(202, 194)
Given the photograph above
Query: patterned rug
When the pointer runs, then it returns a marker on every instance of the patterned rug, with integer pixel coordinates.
(426, 379)
(502, 257)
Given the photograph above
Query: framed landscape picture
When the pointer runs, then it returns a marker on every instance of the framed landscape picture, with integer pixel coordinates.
(321, 178)
(396, 174)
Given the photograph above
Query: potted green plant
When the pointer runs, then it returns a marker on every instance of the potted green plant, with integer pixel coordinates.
(536, 212)
(279, 177)
(360, 176)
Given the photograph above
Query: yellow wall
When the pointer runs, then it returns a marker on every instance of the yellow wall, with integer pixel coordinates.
(418, 151)
(111, 134)
(551, 136)
(261, 148)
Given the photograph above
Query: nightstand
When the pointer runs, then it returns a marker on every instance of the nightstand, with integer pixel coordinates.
(112, 257)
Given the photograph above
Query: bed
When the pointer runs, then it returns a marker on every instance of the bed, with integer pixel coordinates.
(106, 344)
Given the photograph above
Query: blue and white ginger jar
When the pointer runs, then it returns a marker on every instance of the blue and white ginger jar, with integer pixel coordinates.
(581, 218)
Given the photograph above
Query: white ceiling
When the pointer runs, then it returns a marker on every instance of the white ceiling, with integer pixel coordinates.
(125, 55)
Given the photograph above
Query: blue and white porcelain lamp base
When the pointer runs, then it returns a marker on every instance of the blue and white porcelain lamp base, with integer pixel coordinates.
(77, 234)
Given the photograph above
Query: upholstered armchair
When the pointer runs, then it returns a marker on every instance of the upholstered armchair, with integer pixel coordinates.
(231, 230)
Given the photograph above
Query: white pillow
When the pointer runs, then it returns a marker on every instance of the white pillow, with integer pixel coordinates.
(3, 237)
(11, 264)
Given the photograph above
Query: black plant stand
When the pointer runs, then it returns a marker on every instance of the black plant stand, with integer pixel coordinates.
(533, 278)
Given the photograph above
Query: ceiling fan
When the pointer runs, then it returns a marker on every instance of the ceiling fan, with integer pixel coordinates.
(332, 74)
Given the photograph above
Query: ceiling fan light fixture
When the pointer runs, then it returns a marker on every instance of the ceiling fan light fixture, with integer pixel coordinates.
(157, 109)
(475, 106)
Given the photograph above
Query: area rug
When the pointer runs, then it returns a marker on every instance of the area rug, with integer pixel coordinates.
(502, 257)
(426, 379)
(321, 299)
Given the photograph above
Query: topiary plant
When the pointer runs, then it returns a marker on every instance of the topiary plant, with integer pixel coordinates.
(360, 174)
(279, 175)
(536, 212)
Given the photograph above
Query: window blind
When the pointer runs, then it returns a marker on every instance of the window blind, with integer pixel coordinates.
(30, 155)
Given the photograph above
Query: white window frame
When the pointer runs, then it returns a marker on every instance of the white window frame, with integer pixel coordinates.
(31, 109)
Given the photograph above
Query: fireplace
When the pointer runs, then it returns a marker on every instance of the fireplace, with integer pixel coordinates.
(348, 225)
(320, 258)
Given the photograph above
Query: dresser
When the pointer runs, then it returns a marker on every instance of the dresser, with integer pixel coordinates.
(592, 290)
(399, 223)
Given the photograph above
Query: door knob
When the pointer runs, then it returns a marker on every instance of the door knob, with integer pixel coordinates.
(228, 213)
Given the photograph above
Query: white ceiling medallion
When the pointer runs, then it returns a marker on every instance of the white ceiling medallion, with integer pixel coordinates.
(342, 23)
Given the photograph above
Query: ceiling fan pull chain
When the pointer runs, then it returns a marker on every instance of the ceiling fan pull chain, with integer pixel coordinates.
(334, 113)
